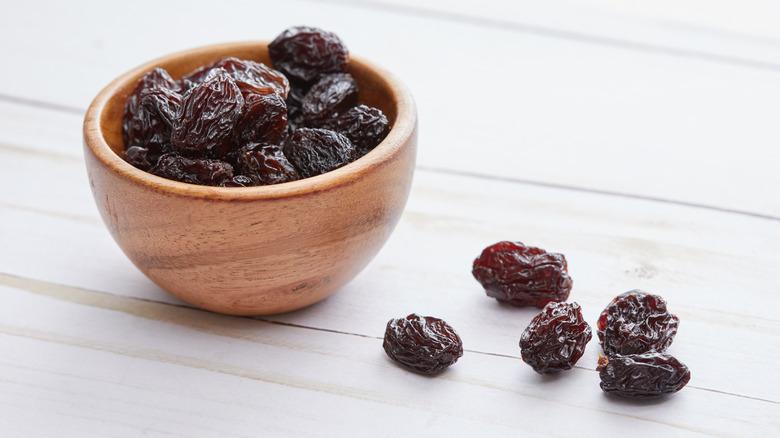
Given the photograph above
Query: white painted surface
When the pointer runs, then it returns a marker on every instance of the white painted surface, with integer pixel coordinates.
(639, 140)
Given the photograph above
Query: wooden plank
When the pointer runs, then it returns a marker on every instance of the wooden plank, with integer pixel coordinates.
(110, 372)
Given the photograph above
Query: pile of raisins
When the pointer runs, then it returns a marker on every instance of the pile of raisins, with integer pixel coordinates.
(239, 123)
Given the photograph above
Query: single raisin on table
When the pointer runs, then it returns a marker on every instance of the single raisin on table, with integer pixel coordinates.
(642, 375)
(363, 125)
(636, 322)
(423, 344)
(328, 98)
(556, 338)
(522, 275)
(316, 151)
(304, 53)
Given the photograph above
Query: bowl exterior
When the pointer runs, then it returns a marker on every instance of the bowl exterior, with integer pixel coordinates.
(251, 251)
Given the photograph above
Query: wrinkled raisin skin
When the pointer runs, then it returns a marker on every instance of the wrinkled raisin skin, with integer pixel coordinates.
(133, 130)
(265, 164)
(201, 171)
(423, 344)
(304, 53)
(642, 375)
(207, 116)
(264, 117)
(556, 338)
(328, 98)
(363, 125)
(247, 71)
(316, 151)
(636, 322)
(522, 275)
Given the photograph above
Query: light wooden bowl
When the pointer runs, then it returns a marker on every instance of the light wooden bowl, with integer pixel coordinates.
(253, 250)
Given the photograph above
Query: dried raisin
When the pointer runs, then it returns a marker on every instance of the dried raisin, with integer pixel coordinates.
(329, 97)
(423, 344)
(133, 127)
(264, 117)
(642, 375)
(265, 164)
(556, 338)
(193, 170)
(636, 322)
(316, 151)
(363, 125)
(247, 71)
(207, 116)
(522, 275)
(304, 53)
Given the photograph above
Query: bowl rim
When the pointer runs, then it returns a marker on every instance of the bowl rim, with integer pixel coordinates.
(402, 130)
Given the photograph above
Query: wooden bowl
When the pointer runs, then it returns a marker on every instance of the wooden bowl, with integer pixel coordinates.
(254, 250)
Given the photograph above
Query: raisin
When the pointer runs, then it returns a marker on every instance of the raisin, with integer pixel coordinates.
(522, 275)
(131, 129)
(363, 125)
(315, 151)
(201, 171)
(305, 53)
(207, 116)
(636, 322)
(556, 338)
(423, 344)
(138, 156)
(254, 73)
(642, 375)
(329, 97)
(257, 73)
(265, 164)
(264, 117)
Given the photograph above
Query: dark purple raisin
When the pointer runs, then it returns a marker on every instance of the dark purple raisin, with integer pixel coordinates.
(642, 375)
(265, 164)
(156, 78)
(556, 338)
(303, 54)
(257, 74)
(316, 151)
(423, 344)
(193, 170)
(363, 125)
(207, 116)
(154, 120)
(138, 156)
(264, 118)
(328, 98)
(636, 322)
(522, 275)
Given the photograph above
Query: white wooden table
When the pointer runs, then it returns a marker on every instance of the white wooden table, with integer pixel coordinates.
(640, 140)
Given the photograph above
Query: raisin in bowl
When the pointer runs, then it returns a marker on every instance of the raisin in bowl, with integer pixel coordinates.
(252, 250)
